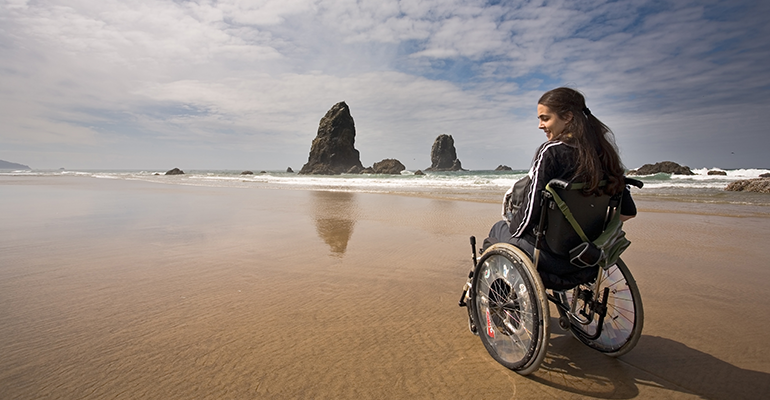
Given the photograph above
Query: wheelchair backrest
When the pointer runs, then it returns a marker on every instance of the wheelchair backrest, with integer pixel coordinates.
(591, 213)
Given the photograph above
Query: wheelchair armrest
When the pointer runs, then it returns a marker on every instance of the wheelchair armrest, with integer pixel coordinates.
(633, 182)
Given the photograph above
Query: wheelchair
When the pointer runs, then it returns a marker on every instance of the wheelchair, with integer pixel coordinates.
(507, 301)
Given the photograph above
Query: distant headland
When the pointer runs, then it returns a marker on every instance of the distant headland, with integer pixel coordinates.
(12, 165)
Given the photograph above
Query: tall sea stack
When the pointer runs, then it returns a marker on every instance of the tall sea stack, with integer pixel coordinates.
(333, 150)
(443, 156)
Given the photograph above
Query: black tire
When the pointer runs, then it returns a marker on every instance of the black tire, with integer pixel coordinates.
(510, 308)
(624, 321)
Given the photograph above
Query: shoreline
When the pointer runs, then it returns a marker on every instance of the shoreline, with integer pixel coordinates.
(483, 186)
(699, 202)
(125, 289)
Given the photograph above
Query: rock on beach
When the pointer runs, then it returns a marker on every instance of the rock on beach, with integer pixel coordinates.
(759, 185)
(175, 171)
(388, 166)
(668, 167)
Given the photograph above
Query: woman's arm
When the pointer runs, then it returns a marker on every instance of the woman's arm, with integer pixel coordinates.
(544, 168)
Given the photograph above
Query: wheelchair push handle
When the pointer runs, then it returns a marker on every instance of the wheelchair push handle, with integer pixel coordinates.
(565, 185)
(633, 182)
(560, 184)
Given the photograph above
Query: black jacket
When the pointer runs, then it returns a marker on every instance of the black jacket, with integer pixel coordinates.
(521, 204)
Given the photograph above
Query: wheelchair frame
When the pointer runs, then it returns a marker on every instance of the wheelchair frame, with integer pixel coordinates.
(516, 296)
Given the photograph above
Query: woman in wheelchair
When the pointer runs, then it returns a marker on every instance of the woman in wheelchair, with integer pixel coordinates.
(580, 148)
(561, 231)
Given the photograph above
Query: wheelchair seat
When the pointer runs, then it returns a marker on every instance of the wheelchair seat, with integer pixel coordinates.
(577, 232)
(591, 212)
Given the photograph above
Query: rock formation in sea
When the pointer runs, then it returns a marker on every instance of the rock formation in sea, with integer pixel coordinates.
(247, 173)
(388, 166)
(668, 167)
(759, 185)
(12, 165)
(443, 156)
(503, 168)
(767, 175)
(289, 170)
(175, 171)
(419, 172)
(717, 172)
(333, 150)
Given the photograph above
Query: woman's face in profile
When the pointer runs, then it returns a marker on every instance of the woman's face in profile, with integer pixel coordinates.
(550, 123)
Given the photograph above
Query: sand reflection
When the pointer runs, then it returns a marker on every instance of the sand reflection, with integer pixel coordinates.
(335, 216)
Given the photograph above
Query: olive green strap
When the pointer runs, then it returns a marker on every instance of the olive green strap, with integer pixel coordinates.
(566, 211)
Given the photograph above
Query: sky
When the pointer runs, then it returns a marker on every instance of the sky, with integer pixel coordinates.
(157, 84)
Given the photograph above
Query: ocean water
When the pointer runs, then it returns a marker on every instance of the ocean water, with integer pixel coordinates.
(486, 186)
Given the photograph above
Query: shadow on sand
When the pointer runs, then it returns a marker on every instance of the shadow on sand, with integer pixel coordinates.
(656, 361)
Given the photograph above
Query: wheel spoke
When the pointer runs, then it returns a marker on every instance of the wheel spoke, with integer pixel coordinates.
(507, 321)
(624, 318)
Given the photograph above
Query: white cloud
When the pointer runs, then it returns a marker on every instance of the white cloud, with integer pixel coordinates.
(391, 109)
(260, 12)
(258, 75)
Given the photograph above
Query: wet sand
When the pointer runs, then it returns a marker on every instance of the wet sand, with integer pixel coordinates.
(127, 289)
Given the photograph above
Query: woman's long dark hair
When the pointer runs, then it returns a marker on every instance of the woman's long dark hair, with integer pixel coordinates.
(597, 154)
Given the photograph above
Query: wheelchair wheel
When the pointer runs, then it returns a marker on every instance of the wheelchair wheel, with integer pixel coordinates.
(623, 323)
(510, 308)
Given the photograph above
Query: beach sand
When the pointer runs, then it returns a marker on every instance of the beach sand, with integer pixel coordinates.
(127, 289)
